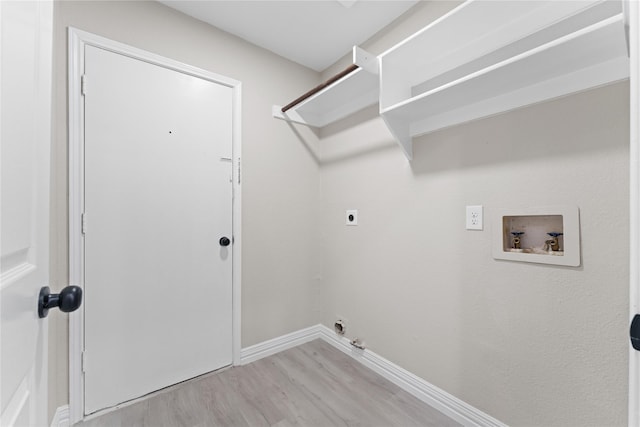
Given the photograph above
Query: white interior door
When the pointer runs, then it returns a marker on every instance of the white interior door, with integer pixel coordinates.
(632, 17)
(158, 199)
(25, 111)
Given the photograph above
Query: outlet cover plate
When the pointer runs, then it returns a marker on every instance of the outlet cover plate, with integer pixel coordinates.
(474, 217)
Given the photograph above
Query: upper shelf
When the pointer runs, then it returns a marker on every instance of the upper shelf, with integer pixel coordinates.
(480, 59)
(485, 58)
(349, 94)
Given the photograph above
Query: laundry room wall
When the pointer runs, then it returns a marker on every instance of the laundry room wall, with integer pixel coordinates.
(280, 171)
(529, 344)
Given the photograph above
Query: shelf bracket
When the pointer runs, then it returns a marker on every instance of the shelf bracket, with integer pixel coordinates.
(399, 128)
(290, 116)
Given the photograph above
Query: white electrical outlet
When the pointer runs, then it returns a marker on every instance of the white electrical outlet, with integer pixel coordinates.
(351, 217)
(474, 217)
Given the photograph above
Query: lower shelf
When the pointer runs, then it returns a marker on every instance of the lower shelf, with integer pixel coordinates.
(587, 58)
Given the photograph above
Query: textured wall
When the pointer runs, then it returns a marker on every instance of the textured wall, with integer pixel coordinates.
(529, 344)
(280, 173)
(532, 345)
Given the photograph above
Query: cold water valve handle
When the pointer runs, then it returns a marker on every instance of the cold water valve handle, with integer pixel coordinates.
(68, 300)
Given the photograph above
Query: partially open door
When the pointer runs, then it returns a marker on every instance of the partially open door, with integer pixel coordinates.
(25, 118)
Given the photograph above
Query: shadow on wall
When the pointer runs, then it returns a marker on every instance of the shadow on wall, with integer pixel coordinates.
(307, 145)
(356, 119)
(361, 134)
(358, 135)
(550, 131)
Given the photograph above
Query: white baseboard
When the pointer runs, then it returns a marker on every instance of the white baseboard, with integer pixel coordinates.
(444, 402)
(61, 417)
(439, 399)
(276, 345)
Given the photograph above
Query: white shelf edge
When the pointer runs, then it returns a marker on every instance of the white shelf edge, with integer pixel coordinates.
(599, 75)
(557, 42)
(419, 33)
(531, 18)
(604, 70)
(363, 82)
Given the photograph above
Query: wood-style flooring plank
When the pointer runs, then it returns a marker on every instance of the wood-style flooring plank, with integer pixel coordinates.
(310, 385)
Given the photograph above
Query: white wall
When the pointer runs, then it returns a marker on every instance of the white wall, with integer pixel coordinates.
(529, 344)
(280, 175)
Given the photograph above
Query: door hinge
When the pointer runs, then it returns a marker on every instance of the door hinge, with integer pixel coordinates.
(230, 160)
(84, 361)
(239, 171)
(83, 222)
(83, 84)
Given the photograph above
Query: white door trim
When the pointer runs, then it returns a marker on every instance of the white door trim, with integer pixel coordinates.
(633, 15)
(77, 42)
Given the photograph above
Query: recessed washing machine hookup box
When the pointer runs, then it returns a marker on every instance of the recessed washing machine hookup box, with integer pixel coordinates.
(545, 235)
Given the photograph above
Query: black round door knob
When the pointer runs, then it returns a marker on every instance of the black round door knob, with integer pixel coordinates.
(68, 300)
(224, 241)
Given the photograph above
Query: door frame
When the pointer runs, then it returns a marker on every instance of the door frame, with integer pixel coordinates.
(77, 41)
(632, 15)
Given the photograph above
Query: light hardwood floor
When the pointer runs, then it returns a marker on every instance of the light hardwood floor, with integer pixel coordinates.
(310, 385)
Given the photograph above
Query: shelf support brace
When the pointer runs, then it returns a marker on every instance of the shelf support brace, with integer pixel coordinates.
(289, 116)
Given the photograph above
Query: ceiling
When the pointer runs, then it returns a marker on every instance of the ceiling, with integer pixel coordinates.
(313, 33)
